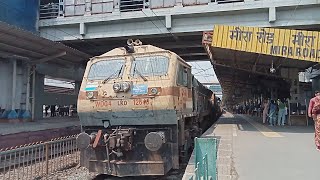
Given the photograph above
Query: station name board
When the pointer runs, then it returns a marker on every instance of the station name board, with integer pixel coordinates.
(288, 43)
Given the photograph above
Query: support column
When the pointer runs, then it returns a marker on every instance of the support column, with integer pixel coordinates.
(315, 84)
(13, 114)
(27, 114)
(77, 87)
(37, 95)
(179, 3)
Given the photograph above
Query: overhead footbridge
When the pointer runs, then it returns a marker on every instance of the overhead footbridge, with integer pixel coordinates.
(254, 63)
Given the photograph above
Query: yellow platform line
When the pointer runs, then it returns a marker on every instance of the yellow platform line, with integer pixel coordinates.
(263, 129)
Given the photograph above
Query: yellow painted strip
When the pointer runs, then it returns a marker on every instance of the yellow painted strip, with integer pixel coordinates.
(220, 33)
(233, 41)
(225, 34)
(269, 40)
(254, 41)
(245, 38)
(313, 56)
(263, 129)
(229, 41)
(239, 42)
(276, 39)
(317, 46)
(259, 44)
(296, 53)
(215, 36)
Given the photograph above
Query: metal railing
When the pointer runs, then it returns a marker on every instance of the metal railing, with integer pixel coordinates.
(133, 5)
(34, 161)
(205, 159)
(79, 8)
(228, 1)
(49, 11)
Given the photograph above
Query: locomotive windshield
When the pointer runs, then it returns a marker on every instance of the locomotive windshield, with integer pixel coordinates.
(106, 69)
(150, 66)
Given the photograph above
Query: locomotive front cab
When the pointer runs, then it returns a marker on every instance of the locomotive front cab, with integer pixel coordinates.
(127, 112)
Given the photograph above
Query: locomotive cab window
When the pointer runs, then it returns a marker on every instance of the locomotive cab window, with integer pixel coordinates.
(184, 76)
(150, 66)
(106, 69)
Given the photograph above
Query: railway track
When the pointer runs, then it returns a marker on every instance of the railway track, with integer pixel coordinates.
(55, 159)
(38, 160)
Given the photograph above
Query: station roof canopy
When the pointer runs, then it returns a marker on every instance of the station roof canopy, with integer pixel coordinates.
(24, 45)
(243, 56)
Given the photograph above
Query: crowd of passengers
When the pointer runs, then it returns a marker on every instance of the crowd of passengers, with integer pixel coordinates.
(274, 112)
(56, 110)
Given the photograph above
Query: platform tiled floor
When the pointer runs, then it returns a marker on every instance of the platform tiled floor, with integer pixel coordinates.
(249, 150)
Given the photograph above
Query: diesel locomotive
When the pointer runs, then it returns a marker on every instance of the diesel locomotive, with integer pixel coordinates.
(140, 108)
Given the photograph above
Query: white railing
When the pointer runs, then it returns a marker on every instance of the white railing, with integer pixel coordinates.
(67, 8)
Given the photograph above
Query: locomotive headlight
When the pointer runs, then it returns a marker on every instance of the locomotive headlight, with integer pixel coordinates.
(154, 140)
(125, 86)
(116, 87)
(90, 94)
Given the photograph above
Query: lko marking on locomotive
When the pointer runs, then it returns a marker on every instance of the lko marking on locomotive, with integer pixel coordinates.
(140, 109)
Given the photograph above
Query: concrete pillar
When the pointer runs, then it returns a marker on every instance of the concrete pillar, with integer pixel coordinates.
(77, 87)
(37, 95)
(13, 114)
(315, 84)
(295, 86)
(116, 5)
(88, 7)
(179, 3)
(27, 114)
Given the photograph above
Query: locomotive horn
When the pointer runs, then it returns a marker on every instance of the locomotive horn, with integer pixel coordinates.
(130, 42)
(129, 47)
(137, 42)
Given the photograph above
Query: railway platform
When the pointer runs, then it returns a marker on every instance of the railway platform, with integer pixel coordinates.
(249, 150)
(15, 134)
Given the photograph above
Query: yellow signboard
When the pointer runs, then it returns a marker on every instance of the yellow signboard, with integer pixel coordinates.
(295, 44)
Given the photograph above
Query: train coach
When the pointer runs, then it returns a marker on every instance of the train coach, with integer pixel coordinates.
(140, 108)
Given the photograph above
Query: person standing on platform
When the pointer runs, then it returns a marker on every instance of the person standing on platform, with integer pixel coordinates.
(46, 110)
(265, 111)
(281, 113)
(314, 112)
(53, 110)
(272, 113)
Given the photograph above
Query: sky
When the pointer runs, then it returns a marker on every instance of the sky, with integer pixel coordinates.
(203, 71)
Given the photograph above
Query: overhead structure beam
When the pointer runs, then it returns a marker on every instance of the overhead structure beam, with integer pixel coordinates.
(7, 55)
(183, 19)
(260, 71)
(49, 58)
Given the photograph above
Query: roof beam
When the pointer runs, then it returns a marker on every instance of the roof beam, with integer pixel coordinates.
(18, 51)
(246, 70)
(7, 55)
(12, 51)
(49, 58)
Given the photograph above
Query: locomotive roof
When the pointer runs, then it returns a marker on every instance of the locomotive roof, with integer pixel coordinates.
(120, 51)
(138, 49)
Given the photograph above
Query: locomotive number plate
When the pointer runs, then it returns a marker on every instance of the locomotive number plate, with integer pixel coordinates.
(139, 102)
(103, 103)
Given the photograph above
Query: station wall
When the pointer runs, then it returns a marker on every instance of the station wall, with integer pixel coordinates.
(6, 76)
(21, 13)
